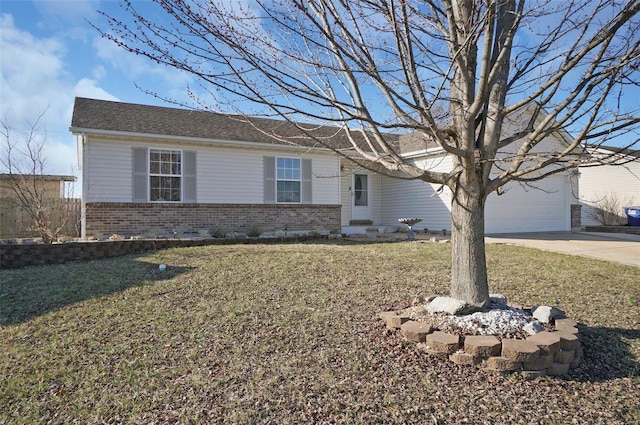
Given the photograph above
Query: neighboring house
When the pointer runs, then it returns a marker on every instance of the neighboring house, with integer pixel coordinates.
(149, 169)
(50, 186)
(35, 192)
(614, 185)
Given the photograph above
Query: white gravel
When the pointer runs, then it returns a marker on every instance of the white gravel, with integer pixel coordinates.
(493, 322)
(498, 321)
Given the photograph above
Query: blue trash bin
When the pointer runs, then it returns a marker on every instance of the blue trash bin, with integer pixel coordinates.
(633, 216)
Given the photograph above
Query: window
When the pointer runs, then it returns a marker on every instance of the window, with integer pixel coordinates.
(288, 179)
(361, 198)
(165, 175)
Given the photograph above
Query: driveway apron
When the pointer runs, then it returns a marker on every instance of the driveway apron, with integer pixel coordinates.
(620, 248)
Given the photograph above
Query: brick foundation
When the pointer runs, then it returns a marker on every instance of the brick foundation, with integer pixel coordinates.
(135, 219)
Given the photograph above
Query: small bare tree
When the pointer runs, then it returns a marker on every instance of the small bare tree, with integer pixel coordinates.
(24, 163)
(382, 66)
(609, 210)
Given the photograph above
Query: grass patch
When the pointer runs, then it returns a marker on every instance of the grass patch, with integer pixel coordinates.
(288, 334)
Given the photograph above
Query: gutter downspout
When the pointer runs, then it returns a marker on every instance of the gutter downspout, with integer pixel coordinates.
(83, 167)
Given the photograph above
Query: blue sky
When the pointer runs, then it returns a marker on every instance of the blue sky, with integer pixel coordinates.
(49, 54)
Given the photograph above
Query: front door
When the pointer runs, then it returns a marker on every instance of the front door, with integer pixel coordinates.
(361, 197)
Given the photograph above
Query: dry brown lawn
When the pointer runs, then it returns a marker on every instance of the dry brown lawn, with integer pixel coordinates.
(289, 334)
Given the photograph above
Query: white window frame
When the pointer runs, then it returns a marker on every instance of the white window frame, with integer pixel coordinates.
(284, 179)
(180, 176)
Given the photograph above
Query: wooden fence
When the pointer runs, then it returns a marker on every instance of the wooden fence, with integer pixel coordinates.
(15, 222)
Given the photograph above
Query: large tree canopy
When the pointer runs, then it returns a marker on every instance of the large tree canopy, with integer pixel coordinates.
(446, 73)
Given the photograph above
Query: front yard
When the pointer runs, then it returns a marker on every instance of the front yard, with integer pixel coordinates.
(289, 334)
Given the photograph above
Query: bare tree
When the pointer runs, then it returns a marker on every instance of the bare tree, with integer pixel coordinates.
(609, 210)
(24, 162)
(384, 66)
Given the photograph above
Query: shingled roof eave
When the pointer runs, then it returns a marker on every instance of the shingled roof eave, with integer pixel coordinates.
(195, 140)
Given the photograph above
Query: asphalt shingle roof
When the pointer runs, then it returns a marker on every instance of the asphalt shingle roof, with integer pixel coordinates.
(93, 114)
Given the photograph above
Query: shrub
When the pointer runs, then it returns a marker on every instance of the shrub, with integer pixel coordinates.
(254, 232)
(609, 210)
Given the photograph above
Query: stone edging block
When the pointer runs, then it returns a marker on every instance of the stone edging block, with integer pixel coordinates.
(544, 361)
(443, 342)
(464, 359)
(547, 342)
(415, 331)
(568, 341)
(392, 319)
(501, 364)
(482, 346)
(520, 350)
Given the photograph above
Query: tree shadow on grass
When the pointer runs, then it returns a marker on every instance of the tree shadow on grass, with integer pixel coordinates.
(35, 291)
(607, 354)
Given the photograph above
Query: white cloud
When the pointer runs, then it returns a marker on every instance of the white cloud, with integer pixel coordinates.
(139, 68)
(99, 72)
(61, 156)
(68, 16)
(35, 77)
(88, 88)
(29, 67)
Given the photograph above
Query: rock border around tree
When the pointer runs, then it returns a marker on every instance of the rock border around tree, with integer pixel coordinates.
(553, 351)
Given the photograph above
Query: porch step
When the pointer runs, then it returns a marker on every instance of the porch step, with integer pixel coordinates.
(360, 222)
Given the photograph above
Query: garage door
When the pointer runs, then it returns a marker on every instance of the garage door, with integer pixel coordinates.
(527, 209)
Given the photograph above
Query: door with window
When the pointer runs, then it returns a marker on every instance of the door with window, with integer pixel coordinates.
(361, 197)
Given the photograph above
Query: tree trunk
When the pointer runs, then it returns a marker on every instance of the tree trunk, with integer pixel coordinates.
(469, 267)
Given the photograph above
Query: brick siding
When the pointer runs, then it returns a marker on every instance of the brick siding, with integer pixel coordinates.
(140, 219)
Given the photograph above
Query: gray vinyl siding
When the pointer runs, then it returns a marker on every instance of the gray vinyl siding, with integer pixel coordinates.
(223, 174)
(307, 182)
(108, 171)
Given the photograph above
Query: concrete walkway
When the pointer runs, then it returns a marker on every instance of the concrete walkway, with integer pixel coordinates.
(618, 247)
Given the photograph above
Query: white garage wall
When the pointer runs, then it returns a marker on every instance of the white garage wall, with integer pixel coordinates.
(619, 182)
(545, 207)
(415, 198)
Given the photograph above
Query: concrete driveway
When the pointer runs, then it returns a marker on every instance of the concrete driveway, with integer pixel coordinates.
(617, 247)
